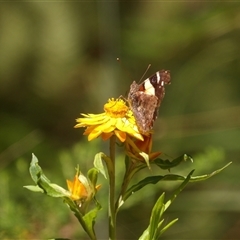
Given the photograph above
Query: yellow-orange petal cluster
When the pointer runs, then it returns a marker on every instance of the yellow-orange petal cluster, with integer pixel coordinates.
(80, 188)
(117, 119)
(134, 149)
(77, 189)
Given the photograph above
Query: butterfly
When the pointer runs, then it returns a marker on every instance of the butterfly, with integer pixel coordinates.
(145, 99)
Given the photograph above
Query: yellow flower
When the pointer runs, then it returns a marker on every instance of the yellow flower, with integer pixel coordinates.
(80, 188)
(77, 189)
(138, 149)
(117, 119)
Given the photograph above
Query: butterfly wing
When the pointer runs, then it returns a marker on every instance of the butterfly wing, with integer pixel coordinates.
(145, 98)
(143, 107)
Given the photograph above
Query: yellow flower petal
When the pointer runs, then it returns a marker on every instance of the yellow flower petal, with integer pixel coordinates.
(77, 189)
(81, 188)
(120, 135)
(93, 135)
(106, 136)
(117, 119)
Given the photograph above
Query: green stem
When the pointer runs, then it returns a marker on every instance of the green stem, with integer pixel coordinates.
(111, 210)
(79, 216)
(129, 173)
(126, 180)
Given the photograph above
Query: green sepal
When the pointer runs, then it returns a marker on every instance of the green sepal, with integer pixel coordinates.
(98, 163)
(146, 158)
(93, 176)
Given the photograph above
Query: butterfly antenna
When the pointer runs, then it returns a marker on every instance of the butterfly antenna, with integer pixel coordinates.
(149, 65)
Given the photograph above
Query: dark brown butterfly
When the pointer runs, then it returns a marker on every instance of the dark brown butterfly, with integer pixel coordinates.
(145, 98)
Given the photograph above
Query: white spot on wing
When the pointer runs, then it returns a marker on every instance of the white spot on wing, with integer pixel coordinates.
(158, 77)
(149, 89)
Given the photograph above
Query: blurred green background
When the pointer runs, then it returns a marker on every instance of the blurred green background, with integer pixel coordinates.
(58, 59)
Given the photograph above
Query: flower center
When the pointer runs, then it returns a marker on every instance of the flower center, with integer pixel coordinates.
(116, 108)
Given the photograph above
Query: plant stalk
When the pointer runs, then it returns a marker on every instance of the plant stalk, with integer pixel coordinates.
(111, 173)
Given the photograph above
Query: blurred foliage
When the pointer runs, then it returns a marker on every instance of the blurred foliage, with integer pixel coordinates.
(58, 59)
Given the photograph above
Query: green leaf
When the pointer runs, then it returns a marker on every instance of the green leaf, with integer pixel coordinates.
(151, 180)
(34, 188)
(44, 185)
(140, 185)
(55, 190)
(167, 226)
(156, 216)
(86, 220)
(178, 190)
(59, 239)
(166, 164)
(35, 170)
(167, 177)
(90, 217)
(43, 182)
(206, 176)
(154, 230)
(145, 235)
